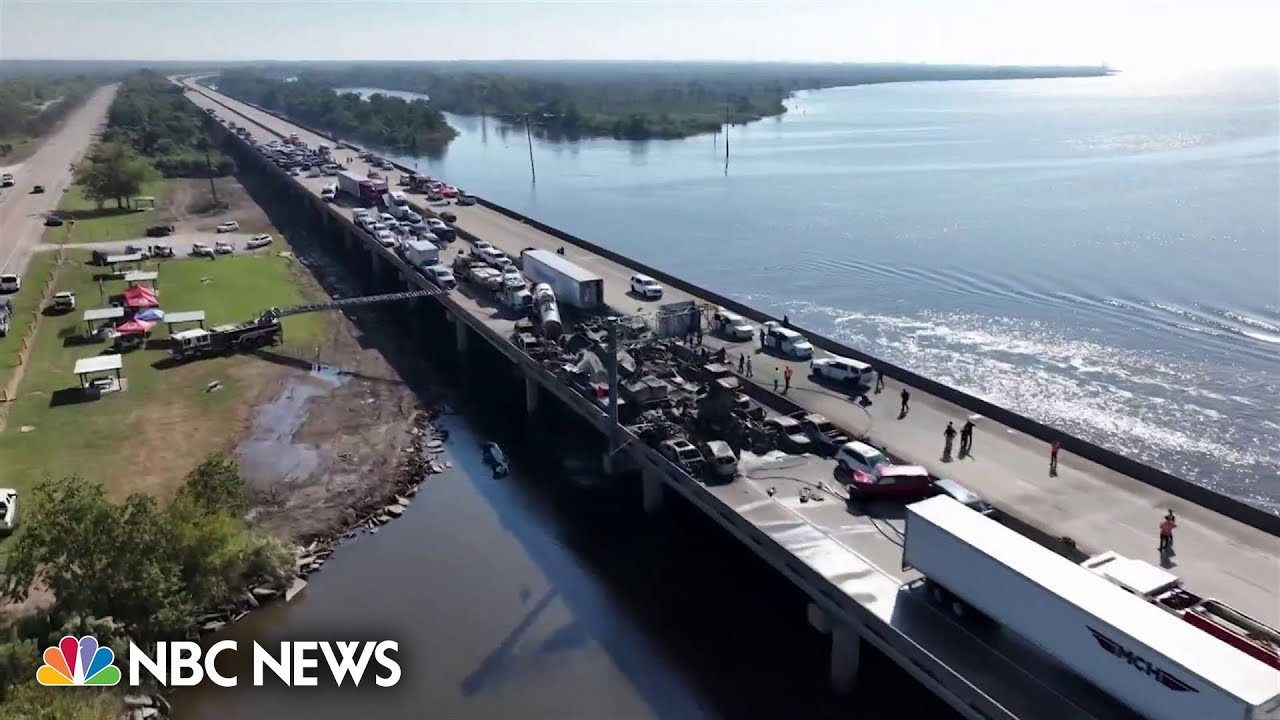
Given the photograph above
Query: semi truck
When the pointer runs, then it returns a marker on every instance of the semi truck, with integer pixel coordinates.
(363, 189)
(1146, 658)
(572, 285)
(1167, 591)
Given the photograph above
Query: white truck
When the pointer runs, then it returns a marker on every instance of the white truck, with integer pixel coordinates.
(572, 285)
(1147, 659)
(421, 254)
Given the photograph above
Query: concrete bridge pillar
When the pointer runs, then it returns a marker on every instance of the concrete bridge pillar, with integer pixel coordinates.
(846, 655)
(846, 647)
(530, 394)
(460, 334)
(651, 490)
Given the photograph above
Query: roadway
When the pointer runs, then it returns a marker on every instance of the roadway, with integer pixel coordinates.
(22, 212)
(861, 553)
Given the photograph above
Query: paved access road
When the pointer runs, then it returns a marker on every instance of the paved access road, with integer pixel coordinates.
(22, 212)
(1099, 508)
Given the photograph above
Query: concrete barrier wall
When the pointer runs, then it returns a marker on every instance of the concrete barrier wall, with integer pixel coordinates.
(1199, 495)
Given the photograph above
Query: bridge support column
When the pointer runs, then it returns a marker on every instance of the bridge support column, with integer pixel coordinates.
(846, 648)
(846, 656)
(651, 491)
(530, 395)
(460, 334)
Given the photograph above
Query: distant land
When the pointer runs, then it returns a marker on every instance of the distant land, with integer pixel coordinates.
(568, 100)
(622, 100)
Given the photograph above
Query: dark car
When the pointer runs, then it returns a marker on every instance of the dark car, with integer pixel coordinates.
(824, 436)
(962, 494)
(37, 189)
(160, 231)
(448, 217)
(53, 221)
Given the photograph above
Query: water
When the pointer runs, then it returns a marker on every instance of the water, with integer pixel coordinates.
(544, 594)
(1098, 253)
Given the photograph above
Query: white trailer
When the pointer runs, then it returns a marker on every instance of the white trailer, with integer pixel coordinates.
(1149, 660)
(572, 285)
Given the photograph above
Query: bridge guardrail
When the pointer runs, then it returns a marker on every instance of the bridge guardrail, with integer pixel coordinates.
(1179, 487)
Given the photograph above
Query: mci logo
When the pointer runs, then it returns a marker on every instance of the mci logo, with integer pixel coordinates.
(1141, 664)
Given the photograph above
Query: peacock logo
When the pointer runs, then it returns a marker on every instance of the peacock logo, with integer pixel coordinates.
(78, 662)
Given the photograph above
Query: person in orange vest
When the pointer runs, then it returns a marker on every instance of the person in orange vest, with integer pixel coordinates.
(1166, 533)
(786, 380)
(1053, 457)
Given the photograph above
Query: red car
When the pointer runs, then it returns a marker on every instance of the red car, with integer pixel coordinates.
(904, 482)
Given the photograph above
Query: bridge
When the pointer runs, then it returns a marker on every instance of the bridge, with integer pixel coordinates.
(850, 565)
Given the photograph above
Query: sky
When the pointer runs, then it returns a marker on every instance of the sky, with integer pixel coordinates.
(1128, 34)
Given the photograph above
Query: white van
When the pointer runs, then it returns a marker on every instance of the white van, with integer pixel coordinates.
(785, 341)
(843, 370)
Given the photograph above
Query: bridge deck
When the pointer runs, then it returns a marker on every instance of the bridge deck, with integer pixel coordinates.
(1100, 509)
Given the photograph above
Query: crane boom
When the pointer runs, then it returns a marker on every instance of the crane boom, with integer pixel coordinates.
(277, 313)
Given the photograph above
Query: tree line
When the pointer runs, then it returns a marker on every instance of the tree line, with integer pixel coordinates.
(135, 570)
(152, 131)
(382, 121)
(153, 116)
(32, 106)
(634, 101)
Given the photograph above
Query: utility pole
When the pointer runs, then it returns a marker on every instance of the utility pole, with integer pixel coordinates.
(528, 135)
(726, 138)
(208, 164)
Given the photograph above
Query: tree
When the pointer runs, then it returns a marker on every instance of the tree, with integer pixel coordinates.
(114, 170)
(216, 487)
(67, 546)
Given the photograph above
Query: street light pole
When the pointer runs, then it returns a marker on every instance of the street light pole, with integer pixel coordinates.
(612, 324)
(528, 135)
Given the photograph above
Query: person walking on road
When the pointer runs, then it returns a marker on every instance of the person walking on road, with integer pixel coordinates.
(879, 381)
(776, 375)
(966, 438)
(748, 366)
(1053, 457)
(950, 435)
(742, 364)
(1166, 533)
(906, 403)
(786, 380)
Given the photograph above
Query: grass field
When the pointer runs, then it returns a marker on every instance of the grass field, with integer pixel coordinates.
(110, 224)
(23, 303)
(147, 437)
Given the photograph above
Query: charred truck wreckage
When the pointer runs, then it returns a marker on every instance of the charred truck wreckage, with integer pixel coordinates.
(888, 554)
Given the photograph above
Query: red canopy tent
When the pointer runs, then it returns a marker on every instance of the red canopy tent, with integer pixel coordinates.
(139, 296)
(135, 327)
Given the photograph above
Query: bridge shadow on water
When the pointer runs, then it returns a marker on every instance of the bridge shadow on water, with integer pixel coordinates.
(672, 600)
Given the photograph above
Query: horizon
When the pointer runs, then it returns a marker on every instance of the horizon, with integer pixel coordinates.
(1091, 33)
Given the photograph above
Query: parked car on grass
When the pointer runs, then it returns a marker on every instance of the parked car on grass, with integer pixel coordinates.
(223, 248)
(64, 301)
(201, 250)
(8, 510)
(161, 251)
(229, 226)
(160, 231)
(258, 241)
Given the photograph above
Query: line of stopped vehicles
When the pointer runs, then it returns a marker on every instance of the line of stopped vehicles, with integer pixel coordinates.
(1127, 627)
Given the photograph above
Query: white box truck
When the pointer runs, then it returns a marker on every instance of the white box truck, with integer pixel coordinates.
(572, 285)
(421, 254)
(1156, 664)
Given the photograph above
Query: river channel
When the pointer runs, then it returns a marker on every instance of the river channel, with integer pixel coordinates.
(549, 594)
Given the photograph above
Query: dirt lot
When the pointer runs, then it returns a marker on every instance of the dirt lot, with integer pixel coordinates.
(324, 441)
(193, 210)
